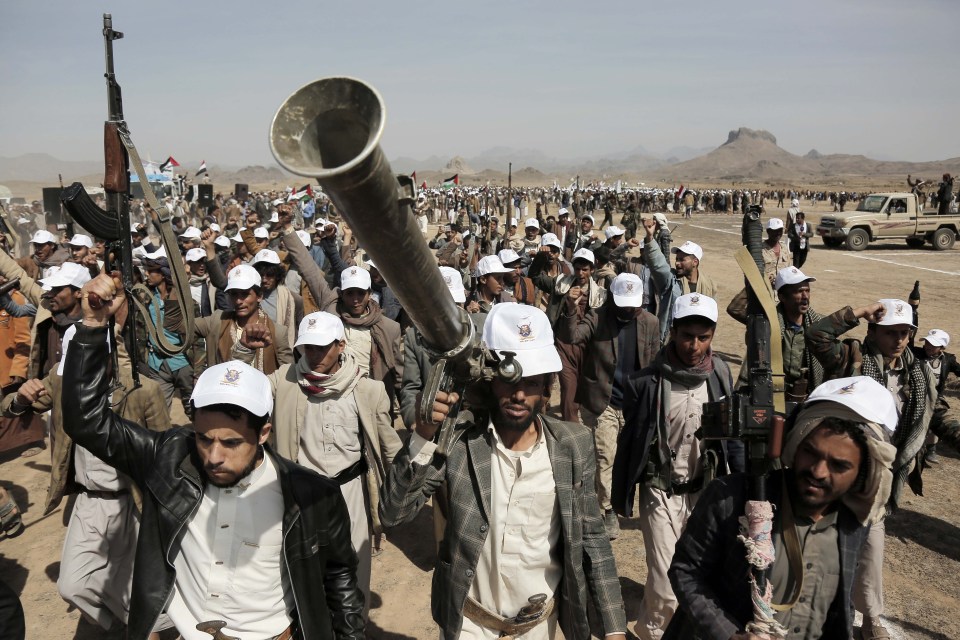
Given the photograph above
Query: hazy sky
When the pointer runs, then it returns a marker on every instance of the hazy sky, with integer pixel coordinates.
(201, 80)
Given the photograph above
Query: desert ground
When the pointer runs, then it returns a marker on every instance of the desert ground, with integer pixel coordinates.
(922, 561)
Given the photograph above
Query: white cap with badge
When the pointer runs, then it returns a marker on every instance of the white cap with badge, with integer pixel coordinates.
(355, 278)
(896, 312)
(613, 232)
(627, 290)
(695, 304)
(454, 281)
(865, 396)
(531, 222)
(320, 328)
(266, 255)
(491, 265)
(774, 224)
(234, 383)
(508, 256)
(584, 254)
(524, 331)
(243, 277)
(304, 237)
(790, 275)
(69, 274)
(551, 240)
(261, 233)
(43, 236)
(938, 338)
(222, 241)
(81, 240)
(191, 233)
(195, 255)
(689, 248)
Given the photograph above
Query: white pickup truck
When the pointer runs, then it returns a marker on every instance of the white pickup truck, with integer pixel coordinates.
(889, 216)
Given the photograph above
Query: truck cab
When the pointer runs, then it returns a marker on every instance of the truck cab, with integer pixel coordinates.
(889, 216)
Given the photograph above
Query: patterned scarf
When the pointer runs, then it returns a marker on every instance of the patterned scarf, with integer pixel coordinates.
(811, 364)
(911, 429)
(329, 385)
(382, 360)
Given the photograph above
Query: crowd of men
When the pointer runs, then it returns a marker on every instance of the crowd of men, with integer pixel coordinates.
(305, 439)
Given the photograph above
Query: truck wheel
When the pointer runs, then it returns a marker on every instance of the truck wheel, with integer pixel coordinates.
(857, 240)
(943, 239)
(915, 243)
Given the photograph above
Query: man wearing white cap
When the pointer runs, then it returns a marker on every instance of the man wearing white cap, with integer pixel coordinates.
(331, 418)
(202, 290)
(190, 238)
(535, 529)
(490, 290)
(802, 371)
(776, 253)
(662, 452)
(824, 508)
(582, 240)
(686, 276)
(884, 356)
(620, 339)
(939, 365)
(531, 238)
(80, 247)
(47, 253)
(522, 287)
(245, 333)
(229, 529)
(569, 295)
(281, 305)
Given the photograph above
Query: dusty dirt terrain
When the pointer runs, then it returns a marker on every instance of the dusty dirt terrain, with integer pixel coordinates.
(922, 561)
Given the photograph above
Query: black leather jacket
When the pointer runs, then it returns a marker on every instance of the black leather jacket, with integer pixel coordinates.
(318, 557)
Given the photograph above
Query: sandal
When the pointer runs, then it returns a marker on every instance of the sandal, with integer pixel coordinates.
(10, 521)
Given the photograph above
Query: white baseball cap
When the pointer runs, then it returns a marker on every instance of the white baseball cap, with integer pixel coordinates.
(588, 217)
(490, 265)
(454, 281)
(242, 277)
(551, 239)
(525, 331)
(584, 254)
(865, 396)
(191, 233)
(689, 248)
(42, 236)
(695, 304)
(790, 275)
(513, 222)
(938, 338)
(277, 202)
(773, 224)
(195, 254)
(266, 255)
(896, 312)
(275, 217)
(70, 274)
(81, 240)
(319, 328)
(261, 233)
(237, 238)
(304, 237)
(562, 212)
(531, 222)
(613, 232)
(627, 290)
(159, 253)
(134, 228)
(508, 256)
(222, 241)
(234, 383)
(355, 278)
(214, 227)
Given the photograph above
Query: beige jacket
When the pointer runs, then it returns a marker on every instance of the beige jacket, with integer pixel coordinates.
(380, 440)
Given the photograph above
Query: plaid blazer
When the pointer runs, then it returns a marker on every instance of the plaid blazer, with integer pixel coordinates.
(598, 331)
(709, 571)
(589, 569)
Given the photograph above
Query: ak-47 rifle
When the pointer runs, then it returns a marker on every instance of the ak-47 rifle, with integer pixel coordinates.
(113, 224)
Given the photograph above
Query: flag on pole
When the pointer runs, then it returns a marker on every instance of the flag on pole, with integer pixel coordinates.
(423, 187)
(169, 162)
(451, 181)
(682, 191)
(202, 169)
(303, 193)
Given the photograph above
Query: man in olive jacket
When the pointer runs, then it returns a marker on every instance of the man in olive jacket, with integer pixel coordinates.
(291, 569)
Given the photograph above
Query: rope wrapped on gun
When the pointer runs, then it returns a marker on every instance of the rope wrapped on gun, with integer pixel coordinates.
(113, 224)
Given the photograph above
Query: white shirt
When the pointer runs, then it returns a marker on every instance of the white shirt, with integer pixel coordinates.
(228, 567)
(683, 420)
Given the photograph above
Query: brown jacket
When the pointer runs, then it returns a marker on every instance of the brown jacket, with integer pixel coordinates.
(214, 330)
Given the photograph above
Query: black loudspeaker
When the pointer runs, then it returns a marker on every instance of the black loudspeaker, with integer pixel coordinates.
(205, 195)
(51, 205)
(241, 191)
